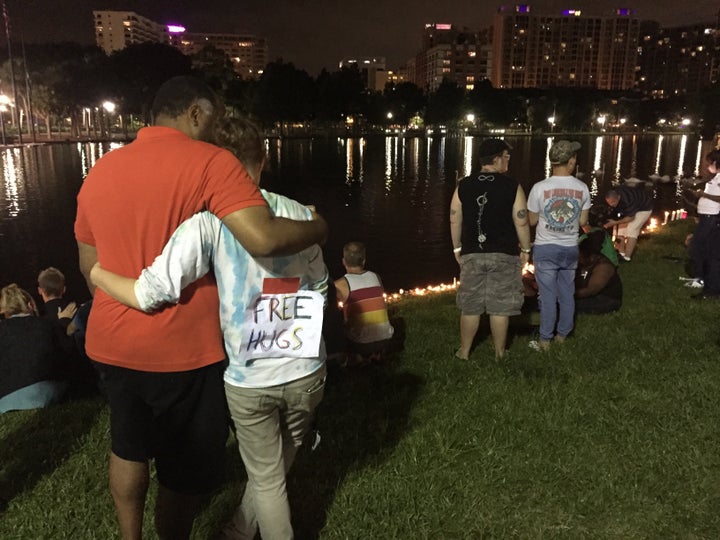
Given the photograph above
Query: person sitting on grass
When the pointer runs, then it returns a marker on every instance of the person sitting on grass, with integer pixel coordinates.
(271, 312)
(367, 323)
(51, 288)
(31, 363)
(598, 288)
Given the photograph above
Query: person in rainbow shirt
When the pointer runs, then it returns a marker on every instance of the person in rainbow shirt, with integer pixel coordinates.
(367, 323)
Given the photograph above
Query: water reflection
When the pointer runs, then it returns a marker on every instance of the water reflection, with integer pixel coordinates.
(681, 161)
(658, 154)
(468, 147)
(698, 160)
(616, 174)
(349, 164)
(548, 165)
(12, 170)
(376, 189)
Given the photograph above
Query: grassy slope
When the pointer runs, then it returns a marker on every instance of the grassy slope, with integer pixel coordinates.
(614, 434)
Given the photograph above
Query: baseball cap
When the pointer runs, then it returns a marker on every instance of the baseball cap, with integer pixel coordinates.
(562, 151)
(493, 147)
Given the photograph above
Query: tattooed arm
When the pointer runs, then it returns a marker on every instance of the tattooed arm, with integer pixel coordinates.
(522, 225)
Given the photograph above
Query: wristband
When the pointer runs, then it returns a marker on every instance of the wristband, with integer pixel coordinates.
(528, 250)
(457, 249)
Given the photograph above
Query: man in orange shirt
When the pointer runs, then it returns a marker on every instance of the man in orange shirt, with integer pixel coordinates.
(163, 371)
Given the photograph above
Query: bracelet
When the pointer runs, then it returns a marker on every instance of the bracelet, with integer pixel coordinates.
(457, 249)
(528, 250)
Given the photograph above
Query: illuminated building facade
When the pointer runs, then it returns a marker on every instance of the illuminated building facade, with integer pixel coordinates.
(115, 30)
(372, 69)
(570, 49)
(248, 54)
(678, 60)
(461, 56)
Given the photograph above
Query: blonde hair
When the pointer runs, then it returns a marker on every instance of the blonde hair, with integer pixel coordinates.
(241, 137)
(16, 301)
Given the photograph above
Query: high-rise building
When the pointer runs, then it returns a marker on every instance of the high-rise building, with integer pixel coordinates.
(247, 53)
(678, 60)
(115, 30)
(568, 49)
(459, 55)
(371, 68)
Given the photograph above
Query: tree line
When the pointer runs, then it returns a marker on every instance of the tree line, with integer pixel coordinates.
(61, 83)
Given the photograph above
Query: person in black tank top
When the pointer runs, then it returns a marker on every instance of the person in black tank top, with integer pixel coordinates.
(491, 241)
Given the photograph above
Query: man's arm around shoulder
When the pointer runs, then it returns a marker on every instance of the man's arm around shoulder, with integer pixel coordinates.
(265, 235)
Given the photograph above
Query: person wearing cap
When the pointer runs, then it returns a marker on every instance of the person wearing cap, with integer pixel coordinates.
(559, 206)
(491, 242)
(633, 207)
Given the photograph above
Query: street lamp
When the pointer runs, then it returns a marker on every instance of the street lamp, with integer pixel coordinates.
(686, 122)
(470, 117)
(601, 121)
(551, 121)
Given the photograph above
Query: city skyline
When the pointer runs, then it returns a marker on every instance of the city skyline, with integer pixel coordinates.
(313, 34)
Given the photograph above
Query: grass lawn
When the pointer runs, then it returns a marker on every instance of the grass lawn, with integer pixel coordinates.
(613, 434)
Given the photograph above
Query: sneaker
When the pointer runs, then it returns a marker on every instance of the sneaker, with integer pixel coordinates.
(539, 345)
(695, 284)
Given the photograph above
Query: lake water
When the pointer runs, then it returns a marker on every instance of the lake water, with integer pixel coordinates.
(391, 193)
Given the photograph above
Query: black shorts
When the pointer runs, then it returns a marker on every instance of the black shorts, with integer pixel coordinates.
(179, 418)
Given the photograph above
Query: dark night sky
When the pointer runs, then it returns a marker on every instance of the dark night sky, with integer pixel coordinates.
(317, 33)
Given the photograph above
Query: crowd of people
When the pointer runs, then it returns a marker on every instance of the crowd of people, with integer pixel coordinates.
(211, 295)
(575, 263)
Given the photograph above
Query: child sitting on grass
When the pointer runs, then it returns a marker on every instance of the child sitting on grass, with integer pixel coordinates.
(367, 324)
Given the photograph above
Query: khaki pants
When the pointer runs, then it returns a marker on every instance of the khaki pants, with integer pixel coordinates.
(270, 425)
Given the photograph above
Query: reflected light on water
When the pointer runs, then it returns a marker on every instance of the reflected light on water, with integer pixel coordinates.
(548, 166)
(616, 175)
(597, 160)
(681, 163)
(12, 174)
(388, 163)
(468, 157)
(659, 154)
(416, 157)
(361, 148)
(633, 163)
(349, 165)
(698, 159)
(441, 154)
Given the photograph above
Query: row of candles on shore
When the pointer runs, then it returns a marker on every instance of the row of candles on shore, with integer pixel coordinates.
(528, 268)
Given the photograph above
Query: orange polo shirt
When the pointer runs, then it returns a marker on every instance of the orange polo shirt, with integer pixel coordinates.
(131, 202)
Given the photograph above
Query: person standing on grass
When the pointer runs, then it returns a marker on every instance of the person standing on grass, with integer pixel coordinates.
(559, 206)
(633, 207)
(163, 372)
(705, 242)
(491, 242)
(268, 306)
